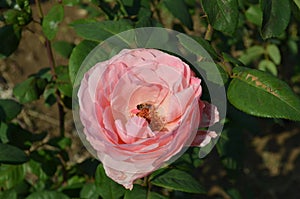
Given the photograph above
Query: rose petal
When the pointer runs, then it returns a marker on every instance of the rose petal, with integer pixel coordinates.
(203, 138)
(109, 126)
(175, 104)
(124, 178)
(210, 114)
(181, 67)
(135, 128)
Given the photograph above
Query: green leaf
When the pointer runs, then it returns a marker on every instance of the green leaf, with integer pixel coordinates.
(128, 3)
(178, 180)
(8, 194)
(74, 183)
(234, 193)
(62, 81)
(99, 31)
(251, 54)
(147, 38)
(254, 14)
(276, 17)
(154, 195)
(214, 72)
(49, 160)
(17, 136)
(4, 133)
(63, 48)
(230, 148)
(70, 2)
(274, 53)
(47, 195)
(184, 162)
(11, 175)
(88, 167)
(11, 16)
(9, 40)
(61, 142)
(12, 155)
(30, 89)
(261, 94)
(78, 55)
(293, 46)
(241, 121)
(231, 59)
(50, 95)
(35, 168)
(9, 109)
(295, 8)
(23, 188)
(297, 3)
(106, 187)
(222, 15)
(206, 45)
(106, 8)
(196, 46)
(88, 191)
(138, 192)
(179, 9)
(17, 16)
(52, 20)
(267, 65)
(44, 73)
(144, 18)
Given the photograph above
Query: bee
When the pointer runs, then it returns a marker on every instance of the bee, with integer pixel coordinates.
(143, 106)
(149, 113)
(145, 111)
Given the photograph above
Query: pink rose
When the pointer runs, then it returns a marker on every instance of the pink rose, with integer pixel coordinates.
(141, 108)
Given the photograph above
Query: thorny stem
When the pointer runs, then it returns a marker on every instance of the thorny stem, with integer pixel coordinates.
(50, 58)
(54, 76)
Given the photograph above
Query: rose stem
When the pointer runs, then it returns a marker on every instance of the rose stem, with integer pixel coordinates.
(148, 184)
(53, 73)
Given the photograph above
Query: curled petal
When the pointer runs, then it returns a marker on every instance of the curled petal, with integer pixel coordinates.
(135, 128)
(210, 114)
(123, 178)
(203, 138)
